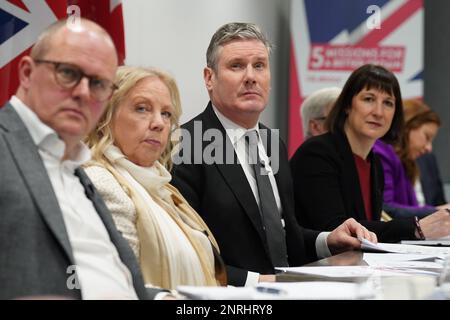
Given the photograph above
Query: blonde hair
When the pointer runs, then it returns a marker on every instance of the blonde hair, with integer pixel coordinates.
(126, 79)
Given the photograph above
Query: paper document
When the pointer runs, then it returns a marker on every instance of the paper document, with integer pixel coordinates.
(444, 241)
(437, 242)
(318, 290)
(342, 271)
(217, 293)
(404, 248)
(394, 260)
(308, 290)
(396, 257)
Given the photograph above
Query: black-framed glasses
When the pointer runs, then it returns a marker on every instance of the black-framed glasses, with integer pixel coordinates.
(69, 76)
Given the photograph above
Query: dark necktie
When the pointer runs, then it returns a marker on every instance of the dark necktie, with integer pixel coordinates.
(271, 218)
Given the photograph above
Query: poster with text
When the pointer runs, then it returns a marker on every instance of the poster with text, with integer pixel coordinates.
(331, 38)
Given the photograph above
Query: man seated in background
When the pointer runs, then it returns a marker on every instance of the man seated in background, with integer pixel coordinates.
(315, 109)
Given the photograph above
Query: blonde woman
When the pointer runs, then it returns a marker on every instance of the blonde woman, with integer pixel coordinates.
(131, 149)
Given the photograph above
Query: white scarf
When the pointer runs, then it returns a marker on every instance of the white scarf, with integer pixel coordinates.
(152, 178)
(183, 262)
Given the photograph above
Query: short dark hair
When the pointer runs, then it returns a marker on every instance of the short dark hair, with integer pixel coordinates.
(366, 77)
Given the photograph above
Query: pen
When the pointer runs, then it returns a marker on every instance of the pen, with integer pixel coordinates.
(270, 290)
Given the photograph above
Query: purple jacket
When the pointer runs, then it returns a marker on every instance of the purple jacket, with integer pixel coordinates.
(398, 190)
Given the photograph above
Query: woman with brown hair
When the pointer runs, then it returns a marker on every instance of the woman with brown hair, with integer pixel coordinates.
(401, 172)
(337, 175)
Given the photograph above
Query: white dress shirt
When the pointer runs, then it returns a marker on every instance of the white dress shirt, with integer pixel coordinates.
(101, 273)
(420, 196)
(236, 135)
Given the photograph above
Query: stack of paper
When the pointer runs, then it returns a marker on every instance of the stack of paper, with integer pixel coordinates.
(216, 293)
(315, 290)
(402, 260)
(356, 271)
(444, 241)
(404, 248)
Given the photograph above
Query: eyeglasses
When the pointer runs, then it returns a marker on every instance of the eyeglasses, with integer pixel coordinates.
(69, 76)
(320, 118)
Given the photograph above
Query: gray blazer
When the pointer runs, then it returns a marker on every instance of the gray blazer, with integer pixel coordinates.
(35, 250)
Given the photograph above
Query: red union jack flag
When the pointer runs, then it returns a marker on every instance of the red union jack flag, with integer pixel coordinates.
(21, 22)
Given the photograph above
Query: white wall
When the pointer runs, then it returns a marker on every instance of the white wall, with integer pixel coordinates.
(174, 34)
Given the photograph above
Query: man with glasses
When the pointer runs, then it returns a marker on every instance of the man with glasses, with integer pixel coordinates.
(69, 76)
(57, 239)
(314, 110)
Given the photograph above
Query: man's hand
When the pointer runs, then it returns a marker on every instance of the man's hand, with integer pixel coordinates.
(346, 236)
(267, 278)
(436, 225)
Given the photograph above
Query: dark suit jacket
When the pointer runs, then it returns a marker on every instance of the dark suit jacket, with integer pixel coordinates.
(398, 212)
(222, 196)
(430, 179)
(35, 250)
(327, 189)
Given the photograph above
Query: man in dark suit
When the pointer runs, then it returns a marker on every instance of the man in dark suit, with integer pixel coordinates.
(430, 178)
(229, 192)
(57, 238)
